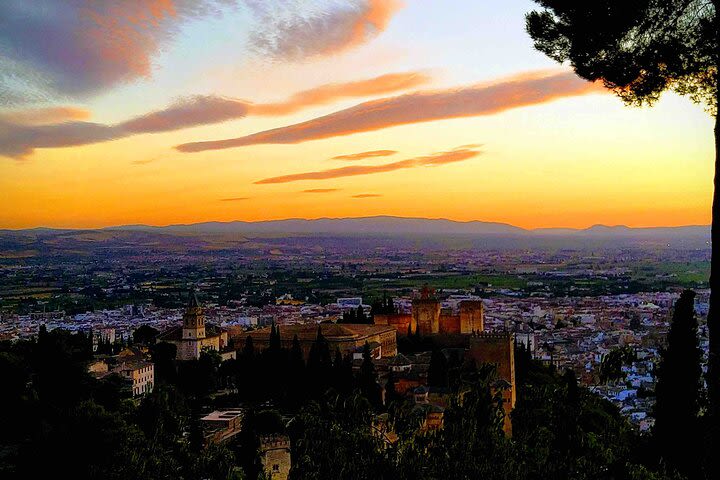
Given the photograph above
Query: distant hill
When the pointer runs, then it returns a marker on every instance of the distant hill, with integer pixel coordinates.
(369, 232)
(388, 225)
(380, 225)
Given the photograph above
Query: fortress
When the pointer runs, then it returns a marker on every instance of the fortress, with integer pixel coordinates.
(494, 348)
(428, 318)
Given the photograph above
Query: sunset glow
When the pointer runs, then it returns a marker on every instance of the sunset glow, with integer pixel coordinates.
(217, 111)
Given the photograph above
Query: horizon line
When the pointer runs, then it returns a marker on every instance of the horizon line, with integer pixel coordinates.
(118, 226)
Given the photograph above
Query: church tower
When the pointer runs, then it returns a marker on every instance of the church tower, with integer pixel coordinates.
(193, 319)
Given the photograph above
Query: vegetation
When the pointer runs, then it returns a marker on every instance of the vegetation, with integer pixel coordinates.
(678, 392)
(639, 50)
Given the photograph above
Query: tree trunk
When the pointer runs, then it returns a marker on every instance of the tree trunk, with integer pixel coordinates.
(713, 323)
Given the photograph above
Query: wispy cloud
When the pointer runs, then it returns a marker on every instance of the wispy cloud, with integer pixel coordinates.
(146, 161)
(234, 199)
(433, 160)
(330, 28)
(19, 140)
(80, 48)
(417, 107)
(324, 94)
(44, 116)
(321, 190)
(25, 130)
(362, 155)
(367, 195)
(188, 112)
(77, 48)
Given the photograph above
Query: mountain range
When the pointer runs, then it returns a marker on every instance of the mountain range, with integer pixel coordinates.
(389, 225)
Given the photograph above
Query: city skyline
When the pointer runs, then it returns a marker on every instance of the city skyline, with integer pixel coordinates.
(249, 111)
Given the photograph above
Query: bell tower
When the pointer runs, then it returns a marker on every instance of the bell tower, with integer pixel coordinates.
(193, 319)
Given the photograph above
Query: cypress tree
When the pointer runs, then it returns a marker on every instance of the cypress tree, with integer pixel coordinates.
(297, 391)
(248, 350)
(438, 370)
(368, 378)
(319, 363)
(678, 391)
(360, 315)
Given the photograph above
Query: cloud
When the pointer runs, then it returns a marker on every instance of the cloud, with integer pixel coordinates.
(433, 160)
(18, 140)
(361, 155)
(22, 136)
(324, 94)
(188, 112)
(424, 106)
(235, 199)
(321, 190)
(331, 28)
(44, 116)
(146, 161)
(367, 195)
(78, 48)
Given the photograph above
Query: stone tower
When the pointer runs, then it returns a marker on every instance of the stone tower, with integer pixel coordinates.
(193, 319)
(275, 456)
(472, 317)
(498, 349)
(426, 312)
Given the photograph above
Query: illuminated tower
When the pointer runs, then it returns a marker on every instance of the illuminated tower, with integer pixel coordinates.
(426, 312)
(193, 319)
(472, 318)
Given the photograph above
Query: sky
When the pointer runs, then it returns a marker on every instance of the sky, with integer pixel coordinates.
(181, 111)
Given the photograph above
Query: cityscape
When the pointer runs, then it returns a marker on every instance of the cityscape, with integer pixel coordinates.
(362, 239)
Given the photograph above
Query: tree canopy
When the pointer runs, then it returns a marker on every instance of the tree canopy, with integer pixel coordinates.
(637, 48)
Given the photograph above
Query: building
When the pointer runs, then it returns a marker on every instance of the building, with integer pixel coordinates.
(137, 372)
(195, 336)
(348, 338)
(140, 372)
(275, 456)
(429, 318)
(220, 425)
(498, 349)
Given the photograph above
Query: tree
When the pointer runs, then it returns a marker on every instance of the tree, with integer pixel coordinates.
(612, 363)
(678, 390)
(319, 364)
(163, 356)
(367, 378)
(297, 388)
(438, 370)
(639, 49)
(145, 334)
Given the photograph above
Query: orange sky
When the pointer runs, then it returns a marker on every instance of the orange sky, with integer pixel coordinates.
(370, 120)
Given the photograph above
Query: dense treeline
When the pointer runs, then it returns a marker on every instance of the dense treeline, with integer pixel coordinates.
(60, 422)
(560, 431)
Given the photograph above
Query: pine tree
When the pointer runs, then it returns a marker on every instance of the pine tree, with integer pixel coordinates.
(678, 391)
